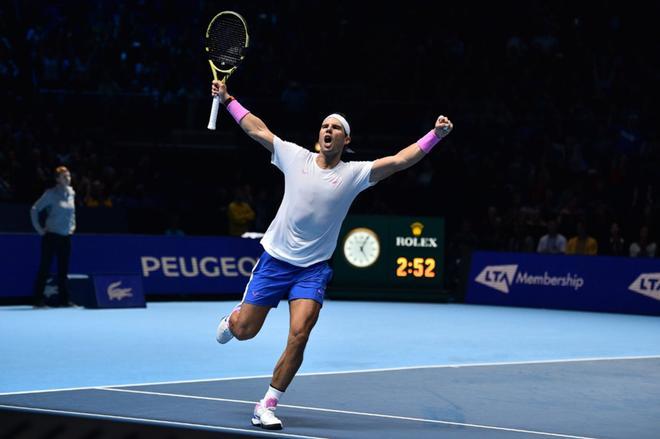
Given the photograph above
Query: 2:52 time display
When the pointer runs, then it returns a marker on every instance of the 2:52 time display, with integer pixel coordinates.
(417, 267)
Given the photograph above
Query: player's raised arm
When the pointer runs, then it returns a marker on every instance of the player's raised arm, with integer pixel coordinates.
(251, 124)
(386, 166)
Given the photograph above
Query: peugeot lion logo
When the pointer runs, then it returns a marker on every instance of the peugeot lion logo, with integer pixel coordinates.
(499, 277)
(116, 293)
(647, 284)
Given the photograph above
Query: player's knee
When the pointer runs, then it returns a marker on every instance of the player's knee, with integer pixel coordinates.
(298, 339)
(243, 332)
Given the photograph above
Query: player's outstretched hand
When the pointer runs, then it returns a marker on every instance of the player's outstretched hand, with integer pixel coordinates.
(219, 88)
(443, 126)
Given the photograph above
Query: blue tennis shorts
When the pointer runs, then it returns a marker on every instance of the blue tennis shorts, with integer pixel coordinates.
(273, 280)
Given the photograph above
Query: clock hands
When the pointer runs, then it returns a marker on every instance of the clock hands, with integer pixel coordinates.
(362, 246)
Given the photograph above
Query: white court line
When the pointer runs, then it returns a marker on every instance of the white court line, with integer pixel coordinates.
(348, 412)
(157, 421)
(389, 369)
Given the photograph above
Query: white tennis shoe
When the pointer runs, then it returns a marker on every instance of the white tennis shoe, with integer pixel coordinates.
(265, 418)
(223, 334)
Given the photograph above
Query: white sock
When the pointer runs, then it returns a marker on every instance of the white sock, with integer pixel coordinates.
(272, 397)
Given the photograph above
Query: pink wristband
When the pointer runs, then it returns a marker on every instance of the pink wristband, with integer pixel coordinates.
(237, 111)
(427, 142)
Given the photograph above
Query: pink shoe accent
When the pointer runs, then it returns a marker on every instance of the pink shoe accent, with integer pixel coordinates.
(270, 402)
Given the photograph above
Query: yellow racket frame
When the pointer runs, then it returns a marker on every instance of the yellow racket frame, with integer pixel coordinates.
(215, 69)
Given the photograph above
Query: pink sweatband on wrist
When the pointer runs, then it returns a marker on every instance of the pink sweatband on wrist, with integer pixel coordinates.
(427, 142)
(237, 111)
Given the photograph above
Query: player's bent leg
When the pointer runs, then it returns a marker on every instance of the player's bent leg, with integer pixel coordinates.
(223, 334)
(244, 322)
(247, 322)
(268, 283)
(304, 314)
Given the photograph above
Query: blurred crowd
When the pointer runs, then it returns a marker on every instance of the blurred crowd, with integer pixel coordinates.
(553, 106)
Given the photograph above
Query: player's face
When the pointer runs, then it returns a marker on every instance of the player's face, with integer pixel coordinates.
(332, 136)
(64, 178)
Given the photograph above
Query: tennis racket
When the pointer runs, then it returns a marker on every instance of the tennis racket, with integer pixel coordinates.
(226, 41)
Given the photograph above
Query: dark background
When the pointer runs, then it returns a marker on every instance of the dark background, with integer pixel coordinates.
(554, 107)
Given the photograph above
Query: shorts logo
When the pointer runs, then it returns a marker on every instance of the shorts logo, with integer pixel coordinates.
(647, 284)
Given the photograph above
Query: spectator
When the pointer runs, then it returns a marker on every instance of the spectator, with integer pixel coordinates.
(615, 244)
(6, 190)
(294, 100)
(492, 231)
(265, 209)
(58, 204)
(553, 242)
(582, 243)
(521, 240)
(459, 253)
(97, 196)
(240, 212)
(174, 229)
(644, 247)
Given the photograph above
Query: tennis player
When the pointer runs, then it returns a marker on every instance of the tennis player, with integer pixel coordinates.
(319, 189)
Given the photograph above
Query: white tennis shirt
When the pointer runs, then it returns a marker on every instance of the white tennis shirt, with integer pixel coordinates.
(315, 203)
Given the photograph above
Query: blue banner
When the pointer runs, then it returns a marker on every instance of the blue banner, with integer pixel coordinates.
(587, 283)
(167, 264)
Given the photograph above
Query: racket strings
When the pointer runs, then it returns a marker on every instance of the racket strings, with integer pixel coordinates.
(226, 40)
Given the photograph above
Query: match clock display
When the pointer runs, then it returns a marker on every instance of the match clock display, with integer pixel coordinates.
(390, 253)
(416, 267)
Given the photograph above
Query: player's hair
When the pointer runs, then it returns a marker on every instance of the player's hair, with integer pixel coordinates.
(60, 170)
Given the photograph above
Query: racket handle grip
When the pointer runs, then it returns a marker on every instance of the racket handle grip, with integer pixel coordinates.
(214, 112)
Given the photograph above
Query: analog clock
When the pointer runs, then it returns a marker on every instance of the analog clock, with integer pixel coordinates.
(361, 247)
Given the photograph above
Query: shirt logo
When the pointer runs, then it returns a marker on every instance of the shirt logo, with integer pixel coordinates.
(116, 293)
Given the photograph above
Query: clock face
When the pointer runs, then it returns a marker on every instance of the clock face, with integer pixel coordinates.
(361, 247)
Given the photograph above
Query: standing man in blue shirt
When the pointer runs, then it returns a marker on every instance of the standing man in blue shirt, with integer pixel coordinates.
(59, 204)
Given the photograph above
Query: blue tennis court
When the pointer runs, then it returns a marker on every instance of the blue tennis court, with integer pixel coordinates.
(372, 370)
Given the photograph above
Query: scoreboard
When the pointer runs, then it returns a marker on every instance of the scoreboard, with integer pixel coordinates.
(390, 253)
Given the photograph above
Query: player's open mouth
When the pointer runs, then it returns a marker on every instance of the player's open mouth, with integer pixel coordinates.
(327, 139)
